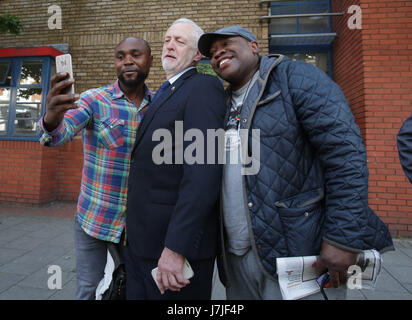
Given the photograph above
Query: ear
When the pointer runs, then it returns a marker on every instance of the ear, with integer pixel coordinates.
(254, 46)
(197, 57)
(151, 61)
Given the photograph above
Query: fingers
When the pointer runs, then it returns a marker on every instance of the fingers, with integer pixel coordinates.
(58, 77)
(170, 266)
(182, 281)
(59, 83)
(334, 278)
(320, 267)
(60, 100)
(164, 281)
(173, 282)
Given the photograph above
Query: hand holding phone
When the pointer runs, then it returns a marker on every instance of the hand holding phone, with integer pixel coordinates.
(64, 65)
(187, 272)
(60, 97)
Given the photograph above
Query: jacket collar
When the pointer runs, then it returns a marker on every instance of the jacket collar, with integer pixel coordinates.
(157, 104)
(267, 64)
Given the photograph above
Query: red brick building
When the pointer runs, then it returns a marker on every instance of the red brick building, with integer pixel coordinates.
(364, 45)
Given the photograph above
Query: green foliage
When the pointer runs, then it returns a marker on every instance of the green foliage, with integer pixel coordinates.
(206, 68)
(30, 71)
(10, 23)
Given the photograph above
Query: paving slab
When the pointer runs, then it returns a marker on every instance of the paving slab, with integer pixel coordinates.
(8, 280)
(32, 239)
(25, 293)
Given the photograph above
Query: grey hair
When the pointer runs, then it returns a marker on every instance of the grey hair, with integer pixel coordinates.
(197, 31)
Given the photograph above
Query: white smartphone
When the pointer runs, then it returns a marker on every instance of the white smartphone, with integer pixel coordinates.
(64, 64)
(186, 271)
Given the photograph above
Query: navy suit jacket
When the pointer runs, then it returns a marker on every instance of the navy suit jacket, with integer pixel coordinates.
(176, 205)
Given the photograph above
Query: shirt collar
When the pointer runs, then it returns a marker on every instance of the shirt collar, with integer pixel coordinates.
(174, 78)
(117, 93)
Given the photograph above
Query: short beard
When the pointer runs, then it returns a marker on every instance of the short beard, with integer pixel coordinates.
(140, 79)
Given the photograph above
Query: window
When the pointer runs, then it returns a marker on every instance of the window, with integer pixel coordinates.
(319, 59)
(302, 30)
(24, 83)
(299, 24)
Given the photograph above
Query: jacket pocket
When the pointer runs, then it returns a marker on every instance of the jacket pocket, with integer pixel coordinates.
(302, 218)
(111, 132)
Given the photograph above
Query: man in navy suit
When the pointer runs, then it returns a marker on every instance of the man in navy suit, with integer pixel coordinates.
(172, 208)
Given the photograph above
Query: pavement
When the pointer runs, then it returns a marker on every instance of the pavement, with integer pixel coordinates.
(36, 246)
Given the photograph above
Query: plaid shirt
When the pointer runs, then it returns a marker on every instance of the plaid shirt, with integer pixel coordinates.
(109, 122)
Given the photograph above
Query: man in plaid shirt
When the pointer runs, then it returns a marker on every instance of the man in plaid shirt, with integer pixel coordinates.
(108, 118)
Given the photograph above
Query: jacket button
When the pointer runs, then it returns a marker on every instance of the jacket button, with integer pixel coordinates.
(250, 204)
(306, 214)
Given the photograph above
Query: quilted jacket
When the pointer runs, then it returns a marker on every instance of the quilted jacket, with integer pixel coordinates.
(312, 184)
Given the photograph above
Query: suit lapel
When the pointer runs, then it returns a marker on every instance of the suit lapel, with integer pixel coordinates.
(158, 103)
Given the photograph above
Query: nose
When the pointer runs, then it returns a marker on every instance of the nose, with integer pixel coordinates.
(219, 52)
(128, 59)
(170, 45)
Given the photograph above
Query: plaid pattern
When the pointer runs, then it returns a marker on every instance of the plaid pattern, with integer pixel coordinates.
(109, 123)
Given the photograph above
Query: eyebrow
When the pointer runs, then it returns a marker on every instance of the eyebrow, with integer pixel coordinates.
(176, 37)
(132, 51)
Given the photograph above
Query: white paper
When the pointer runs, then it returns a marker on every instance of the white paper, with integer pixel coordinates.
(297, 277)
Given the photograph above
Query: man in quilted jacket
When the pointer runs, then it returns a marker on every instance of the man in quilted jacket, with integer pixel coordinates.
(306, 192)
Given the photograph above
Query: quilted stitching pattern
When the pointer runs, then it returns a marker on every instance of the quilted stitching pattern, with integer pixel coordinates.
(308, 139)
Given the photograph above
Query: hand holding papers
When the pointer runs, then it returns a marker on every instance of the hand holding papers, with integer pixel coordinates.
(297, 276)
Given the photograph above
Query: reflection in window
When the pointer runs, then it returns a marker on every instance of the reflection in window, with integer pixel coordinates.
(25, 126)
(4, 113)
(29, 95)
(314, 24)
(5, 73)
(28, 111)
(4, 95)
(31, 72)
(22, 95)
(306, 38)
(319, 60)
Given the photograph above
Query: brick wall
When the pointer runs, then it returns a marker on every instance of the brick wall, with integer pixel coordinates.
(374, 68)
(387, 50)
(92, 29)
(348, 60)
(33, 174)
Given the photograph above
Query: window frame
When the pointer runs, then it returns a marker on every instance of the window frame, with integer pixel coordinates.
(309, 50)
(16, 65)
(296, 4)
(303, 48)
